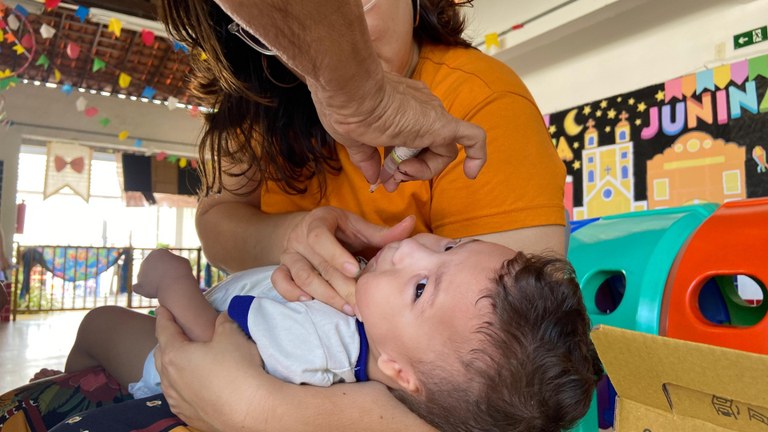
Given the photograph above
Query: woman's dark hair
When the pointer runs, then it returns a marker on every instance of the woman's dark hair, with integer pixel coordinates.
(262, 121)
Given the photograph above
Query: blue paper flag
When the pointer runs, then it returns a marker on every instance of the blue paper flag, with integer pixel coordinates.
(180, 46)
(21, 10)
(82, 13)
(148, 92)
(67, 89)
(138, 143)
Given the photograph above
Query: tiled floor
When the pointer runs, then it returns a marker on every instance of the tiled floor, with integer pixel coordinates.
(33, 342)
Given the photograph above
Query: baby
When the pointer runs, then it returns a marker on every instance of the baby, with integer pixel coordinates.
(470, 335)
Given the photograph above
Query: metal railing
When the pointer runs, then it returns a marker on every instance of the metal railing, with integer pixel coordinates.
(65, 278)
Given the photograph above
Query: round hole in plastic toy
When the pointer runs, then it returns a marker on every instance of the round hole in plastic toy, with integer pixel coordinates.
(610, 292)
(737, 300)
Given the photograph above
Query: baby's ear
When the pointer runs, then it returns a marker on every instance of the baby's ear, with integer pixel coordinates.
(401, 373)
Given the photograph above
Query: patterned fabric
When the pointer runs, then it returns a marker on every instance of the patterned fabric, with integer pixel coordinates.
(151, 414)
(39, 406)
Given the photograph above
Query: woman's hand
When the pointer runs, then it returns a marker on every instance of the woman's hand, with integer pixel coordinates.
(212, 385)
(318, 261)
(399, 111)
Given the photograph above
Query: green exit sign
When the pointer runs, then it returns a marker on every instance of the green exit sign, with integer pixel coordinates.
(751, 37)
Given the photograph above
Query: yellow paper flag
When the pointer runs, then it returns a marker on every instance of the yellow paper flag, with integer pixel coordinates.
(492, 39)
(115, 26)
(122, 135)
(183, 162)
(19, 49)
(56, 75)
(124, 80)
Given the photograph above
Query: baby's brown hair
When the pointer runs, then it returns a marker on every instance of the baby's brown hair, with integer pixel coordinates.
(534, 368)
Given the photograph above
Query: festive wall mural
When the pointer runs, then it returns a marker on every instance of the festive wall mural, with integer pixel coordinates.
(698, 138)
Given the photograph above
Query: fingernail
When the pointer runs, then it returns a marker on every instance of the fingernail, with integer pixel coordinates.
(348, 310)
(351, 269)
(304, 298)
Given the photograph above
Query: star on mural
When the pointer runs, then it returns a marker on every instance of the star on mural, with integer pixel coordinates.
(638, 122)
(631, 101)
(619, 99)
(576, 164)
(576, 145)
(552, 129)
(599, 113)
(607, 129)
(612, 114)
(660, 95)
(603, 104)
(641, 107)
(586, 110)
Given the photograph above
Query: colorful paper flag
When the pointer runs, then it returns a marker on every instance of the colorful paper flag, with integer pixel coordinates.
(161, 156)
(51, 4)
(180, 46)
(172, 101)
(21, 10)
(138, 143)
(123, 135)
(91, 111)
(183, 162)
(148, 92)
(491, 40)
(81, 103)
(28, 41)
(193, 164)
(203, 56)
(47, 31)
(13, 22)
(147, 37)
(67, 89)
(115, 26)
(73, 50)
(82, 13)
(104, 122)
(56, 75)
(43, 60)
(124, 80)
(10, 38)
(98, 64)
(19, 49)
(7, 83)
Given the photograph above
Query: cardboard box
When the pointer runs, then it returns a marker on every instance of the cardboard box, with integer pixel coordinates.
(670, 385)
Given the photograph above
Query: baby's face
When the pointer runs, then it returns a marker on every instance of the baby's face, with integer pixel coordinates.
(420, 296)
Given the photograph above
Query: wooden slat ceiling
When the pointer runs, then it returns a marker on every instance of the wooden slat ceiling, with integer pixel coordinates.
(158, 66)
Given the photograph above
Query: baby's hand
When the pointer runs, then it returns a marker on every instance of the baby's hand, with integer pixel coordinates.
(160, 268)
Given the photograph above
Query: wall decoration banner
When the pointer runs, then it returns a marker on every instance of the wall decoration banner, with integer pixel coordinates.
(68, 165)
(698, 138)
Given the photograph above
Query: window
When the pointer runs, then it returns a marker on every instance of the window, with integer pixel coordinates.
(732, 182)
(590, 176)
(624, 172)
(607, 193)
(661, 189)
(66, 219)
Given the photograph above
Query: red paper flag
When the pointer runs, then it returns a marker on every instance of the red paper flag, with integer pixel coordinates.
(148, 37)
(27, 41)
(51, 4)
(91, 111)
(73, 50)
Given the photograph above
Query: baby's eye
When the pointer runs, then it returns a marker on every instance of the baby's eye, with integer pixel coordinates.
(420, 287)
(451, 245)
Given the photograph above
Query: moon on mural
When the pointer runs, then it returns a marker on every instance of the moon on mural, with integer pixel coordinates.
(571, 127)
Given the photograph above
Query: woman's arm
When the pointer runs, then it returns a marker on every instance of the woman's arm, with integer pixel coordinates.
(239, 395)
(314, 248)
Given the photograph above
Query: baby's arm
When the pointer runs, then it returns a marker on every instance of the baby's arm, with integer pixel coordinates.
(169, 278)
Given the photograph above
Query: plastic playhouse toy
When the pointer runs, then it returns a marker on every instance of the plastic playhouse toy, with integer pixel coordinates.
(733, 241)
(622, 263)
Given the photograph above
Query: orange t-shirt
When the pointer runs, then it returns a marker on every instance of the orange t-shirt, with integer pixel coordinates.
(520, 186)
